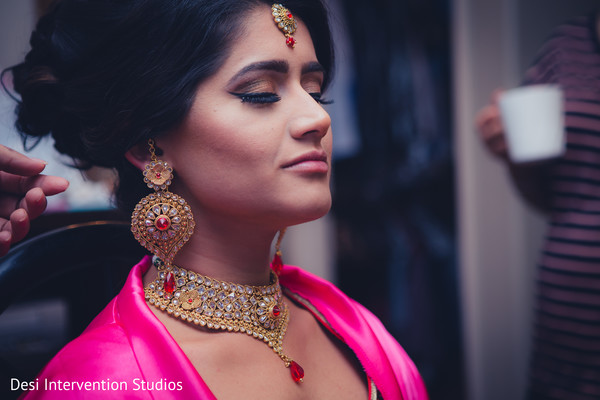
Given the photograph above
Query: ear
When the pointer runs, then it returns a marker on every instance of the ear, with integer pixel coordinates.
(139, 155)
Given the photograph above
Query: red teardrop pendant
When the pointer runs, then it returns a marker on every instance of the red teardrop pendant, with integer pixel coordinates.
(277, 264)
(296, 371)
(169, 285)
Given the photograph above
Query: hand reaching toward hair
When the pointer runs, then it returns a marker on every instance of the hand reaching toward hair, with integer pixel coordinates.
(23, 192)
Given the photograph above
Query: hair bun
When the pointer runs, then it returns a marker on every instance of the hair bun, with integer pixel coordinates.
(36, 82)
(39, 108)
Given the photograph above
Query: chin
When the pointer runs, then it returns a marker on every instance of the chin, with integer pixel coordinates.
(310, 212)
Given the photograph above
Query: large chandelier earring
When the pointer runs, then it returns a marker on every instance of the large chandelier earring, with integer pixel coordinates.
(162, 221)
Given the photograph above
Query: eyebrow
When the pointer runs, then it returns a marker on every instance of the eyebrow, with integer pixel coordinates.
(312, 66)
(280, 66)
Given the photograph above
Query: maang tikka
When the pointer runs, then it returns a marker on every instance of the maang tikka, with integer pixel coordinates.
(162, 221)
(285, 22)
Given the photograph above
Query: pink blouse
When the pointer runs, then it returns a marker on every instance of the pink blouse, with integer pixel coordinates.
(126, 352)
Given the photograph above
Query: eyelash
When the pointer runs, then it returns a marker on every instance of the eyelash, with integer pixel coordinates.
(319, 99)
(258, 98)
(268, 98)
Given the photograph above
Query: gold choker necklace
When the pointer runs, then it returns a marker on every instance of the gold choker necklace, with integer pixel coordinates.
(258, 311)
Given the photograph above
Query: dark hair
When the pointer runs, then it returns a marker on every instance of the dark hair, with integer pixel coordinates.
(104, 75)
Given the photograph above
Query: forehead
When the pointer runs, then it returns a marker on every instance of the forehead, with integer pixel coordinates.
(261, 39)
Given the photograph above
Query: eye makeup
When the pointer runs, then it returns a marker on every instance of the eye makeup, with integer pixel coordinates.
(258, 83)
(257, 97)
(319, 99)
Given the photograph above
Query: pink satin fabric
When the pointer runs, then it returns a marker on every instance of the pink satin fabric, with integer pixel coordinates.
(127, 343)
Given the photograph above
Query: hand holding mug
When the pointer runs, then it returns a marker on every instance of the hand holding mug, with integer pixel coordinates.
(491, 129)
(533, 119)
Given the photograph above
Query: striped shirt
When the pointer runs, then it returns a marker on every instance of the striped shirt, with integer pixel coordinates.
(566, 357)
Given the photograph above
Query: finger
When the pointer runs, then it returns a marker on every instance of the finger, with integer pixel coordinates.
(8, 204)
(51, 185)
(490, 124)
(492, 129)
(19, 224)
(16, 163)
(34, 203)
(5, 238)
(15, 184)
(485, 116)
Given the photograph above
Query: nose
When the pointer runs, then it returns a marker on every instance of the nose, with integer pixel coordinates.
(310, 119)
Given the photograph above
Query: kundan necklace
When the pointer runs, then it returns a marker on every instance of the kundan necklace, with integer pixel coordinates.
(258, 311)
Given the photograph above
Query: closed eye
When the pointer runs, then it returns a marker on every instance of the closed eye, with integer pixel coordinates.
(319, 99)
(258, 98)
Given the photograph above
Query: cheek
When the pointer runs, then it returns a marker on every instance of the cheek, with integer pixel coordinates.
(236, 146)
(229, 128)
(226, 151)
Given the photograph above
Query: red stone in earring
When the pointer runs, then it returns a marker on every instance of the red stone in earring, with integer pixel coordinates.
(277, 264)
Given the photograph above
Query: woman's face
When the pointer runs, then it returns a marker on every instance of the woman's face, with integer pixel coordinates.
(256, 145)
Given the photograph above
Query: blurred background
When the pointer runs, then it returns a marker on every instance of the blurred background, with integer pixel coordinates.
(426, 229)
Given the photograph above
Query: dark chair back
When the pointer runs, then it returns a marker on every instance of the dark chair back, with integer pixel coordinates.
(80, 267)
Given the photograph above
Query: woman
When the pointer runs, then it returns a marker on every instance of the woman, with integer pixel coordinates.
(227, 94)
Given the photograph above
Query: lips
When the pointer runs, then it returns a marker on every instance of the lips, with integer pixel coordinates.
(312, 156)
(314, 161)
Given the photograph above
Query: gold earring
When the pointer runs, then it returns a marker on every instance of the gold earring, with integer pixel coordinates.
(277, 264)
(162, 221)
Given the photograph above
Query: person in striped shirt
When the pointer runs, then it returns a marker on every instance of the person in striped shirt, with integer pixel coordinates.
(565, 363)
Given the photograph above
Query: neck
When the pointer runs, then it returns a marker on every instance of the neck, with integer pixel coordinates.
(228, 251)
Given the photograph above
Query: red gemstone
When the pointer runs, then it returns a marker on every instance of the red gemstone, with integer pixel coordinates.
(169, 283)
(162, 223)
(158, 175)
(296, 371)
(190, 301)
(276, 311)
(290, 41)
(276, 264)
(290, 16)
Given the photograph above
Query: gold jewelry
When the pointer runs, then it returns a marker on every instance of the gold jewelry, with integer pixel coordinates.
(162, 222)
(258, 311)
(286, 22)
(277, 264)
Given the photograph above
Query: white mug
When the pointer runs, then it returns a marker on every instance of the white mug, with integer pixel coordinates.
(533, 119)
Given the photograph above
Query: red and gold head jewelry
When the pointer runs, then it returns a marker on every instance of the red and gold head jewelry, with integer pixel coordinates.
(162, 221)
(286, 22)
